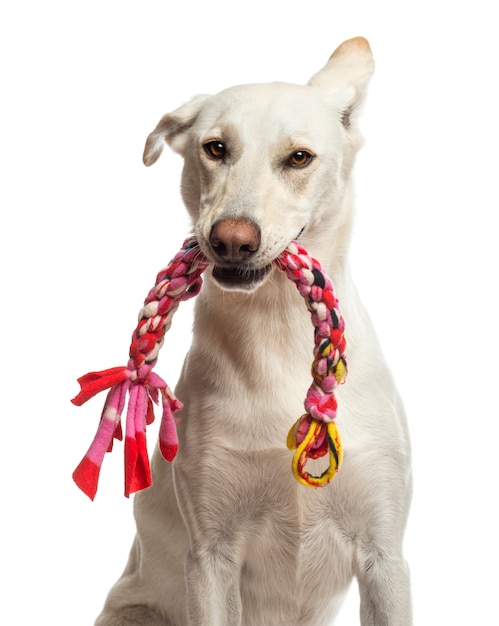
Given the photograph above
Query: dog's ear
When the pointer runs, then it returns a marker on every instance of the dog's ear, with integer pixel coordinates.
(347, 74)
(171, 129)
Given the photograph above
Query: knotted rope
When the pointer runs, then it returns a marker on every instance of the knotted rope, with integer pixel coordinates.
(314, 434)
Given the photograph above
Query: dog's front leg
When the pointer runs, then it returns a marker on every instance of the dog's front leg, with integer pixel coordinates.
(216, 545)
(384, 588)
(213, 597)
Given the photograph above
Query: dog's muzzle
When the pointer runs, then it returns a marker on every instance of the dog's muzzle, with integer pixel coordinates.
(234, 244)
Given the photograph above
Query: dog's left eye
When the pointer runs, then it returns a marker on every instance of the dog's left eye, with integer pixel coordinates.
(215, 149)
(301, 158)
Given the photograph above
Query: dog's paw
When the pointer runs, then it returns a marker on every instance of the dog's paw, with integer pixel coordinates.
(132, 616)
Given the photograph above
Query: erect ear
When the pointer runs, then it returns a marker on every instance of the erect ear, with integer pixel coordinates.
(347, 74)
(171, 129)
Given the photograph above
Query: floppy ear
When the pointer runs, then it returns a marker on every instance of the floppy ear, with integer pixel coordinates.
(171, 129)
(347, 74)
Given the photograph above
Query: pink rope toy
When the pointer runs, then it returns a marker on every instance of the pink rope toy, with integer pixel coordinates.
(314, 434)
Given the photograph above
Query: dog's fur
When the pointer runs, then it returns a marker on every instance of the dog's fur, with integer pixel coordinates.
(226, 535)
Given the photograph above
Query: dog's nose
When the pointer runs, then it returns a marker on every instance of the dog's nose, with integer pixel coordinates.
(234, 240)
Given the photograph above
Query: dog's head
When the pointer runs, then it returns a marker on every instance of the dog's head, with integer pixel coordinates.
(267, 163)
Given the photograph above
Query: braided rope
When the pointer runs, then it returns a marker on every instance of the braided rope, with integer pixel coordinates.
(313, 435)
(179, 281)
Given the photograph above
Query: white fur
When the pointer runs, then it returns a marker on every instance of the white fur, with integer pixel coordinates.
(226, 535)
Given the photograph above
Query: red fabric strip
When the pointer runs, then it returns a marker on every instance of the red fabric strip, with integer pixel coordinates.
(94, 382)
(86, 476)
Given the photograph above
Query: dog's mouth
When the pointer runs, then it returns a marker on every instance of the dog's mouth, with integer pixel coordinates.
(240, 277)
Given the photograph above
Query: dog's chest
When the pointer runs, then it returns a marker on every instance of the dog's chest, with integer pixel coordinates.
(285, 550)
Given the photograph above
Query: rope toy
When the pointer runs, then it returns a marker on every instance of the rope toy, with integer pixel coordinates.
(313, 435)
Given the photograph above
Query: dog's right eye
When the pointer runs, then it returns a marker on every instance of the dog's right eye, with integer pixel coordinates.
(215, 149)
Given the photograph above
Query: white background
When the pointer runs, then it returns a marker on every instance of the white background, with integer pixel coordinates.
(85, 227)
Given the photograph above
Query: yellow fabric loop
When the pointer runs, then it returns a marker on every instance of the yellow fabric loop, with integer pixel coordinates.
(300, 457)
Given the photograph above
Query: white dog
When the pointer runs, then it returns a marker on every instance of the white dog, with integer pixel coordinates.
(226, 536)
